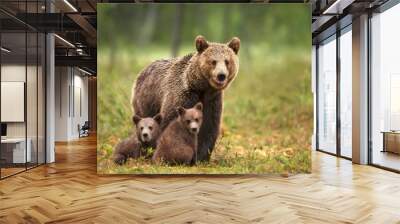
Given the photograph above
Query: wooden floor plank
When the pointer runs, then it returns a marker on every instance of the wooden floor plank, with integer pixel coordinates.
(70, 191)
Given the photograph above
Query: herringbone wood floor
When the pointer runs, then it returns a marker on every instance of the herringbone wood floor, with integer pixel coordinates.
(70, 191)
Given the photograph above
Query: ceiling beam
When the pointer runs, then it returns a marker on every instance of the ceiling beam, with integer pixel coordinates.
(337, 7)
(49, 22)
(78, 61)
(320, 23)
(86, 27)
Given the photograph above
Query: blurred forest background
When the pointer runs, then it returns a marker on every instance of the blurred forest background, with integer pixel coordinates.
(267, 120)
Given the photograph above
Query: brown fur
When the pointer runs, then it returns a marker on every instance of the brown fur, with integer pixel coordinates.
(130, 147)
(167, 84)
(135, 146)
(178, 143)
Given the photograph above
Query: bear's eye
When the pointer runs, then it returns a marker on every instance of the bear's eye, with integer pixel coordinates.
(226, 62)
(188, 121)
(151, 128)
(141, 128)
(196, 119)
(214, 62)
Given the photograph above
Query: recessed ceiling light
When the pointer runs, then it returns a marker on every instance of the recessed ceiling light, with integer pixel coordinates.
(70, 5)
(5, 50)
(84, 71)
(337, 7)
(65, 41)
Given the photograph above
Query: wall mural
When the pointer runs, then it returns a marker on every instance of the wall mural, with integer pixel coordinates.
(204, 89)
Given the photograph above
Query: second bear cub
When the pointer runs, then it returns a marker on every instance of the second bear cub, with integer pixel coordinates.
(178, 142)
(147, 131)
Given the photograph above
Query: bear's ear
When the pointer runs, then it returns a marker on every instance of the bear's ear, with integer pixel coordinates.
(201, 43)
(158, 118)
(199, 106)
(136, 119)
(181, 111)
(234, 44)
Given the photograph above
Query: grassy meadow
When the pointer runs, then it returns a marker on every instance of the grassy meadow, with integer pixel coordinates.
(268, 109)
(267, 118)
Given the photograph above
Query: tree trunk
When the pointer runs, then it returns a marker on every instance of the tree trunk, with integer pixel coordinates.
(226, 28)
(177, 30)
(149, 25)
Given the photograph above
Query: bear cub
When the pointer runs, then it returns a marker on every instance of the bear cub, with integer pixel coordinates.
(147, 132)
(178, 142)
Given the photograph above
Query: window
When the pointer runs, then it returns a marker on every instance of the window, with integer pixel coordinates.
(346, 92)
(329, 112)
(327, 95)
(385, 89)
(22, 87)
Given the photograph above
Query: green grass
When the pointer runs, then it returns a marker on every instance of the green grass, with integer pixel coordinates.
(267, 118)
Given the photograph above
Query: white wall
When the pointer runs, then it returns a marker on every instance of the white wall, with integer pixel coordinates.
(13, 73)
(360, 89)
(13, 100)
(50, 94)
(80, 110)
(62, 81)
(33, 127)
(71, 94)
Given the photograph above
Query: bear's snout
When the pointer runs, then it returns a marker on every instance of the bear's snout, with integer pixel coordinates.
(194, 127)
(146, 137)
(221, 77)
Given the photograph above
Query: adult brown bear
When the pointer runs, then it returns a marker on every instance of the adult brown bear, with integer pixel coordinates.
(168, 84)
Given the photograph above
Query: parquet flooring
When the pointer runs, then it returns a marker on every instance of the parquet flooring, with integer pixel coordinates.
(10, 171)
(70, 191)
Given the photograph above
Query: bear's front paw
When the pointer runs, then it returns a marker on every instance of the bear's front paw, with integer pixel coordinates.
(119, 159)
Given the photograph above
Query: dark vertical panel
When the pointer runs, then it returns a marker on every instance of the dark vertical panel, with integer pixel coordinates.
(45, 95)
(338, 72)
(37, 91)
(92, 103)
(1, 163)
(45, 89)
(317, 96)
(26, 80)
(369, 96)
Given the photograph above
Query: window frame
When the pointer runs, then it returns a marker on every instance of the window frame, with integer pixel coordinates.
(339, 32)
(381, 9)
(26, 30)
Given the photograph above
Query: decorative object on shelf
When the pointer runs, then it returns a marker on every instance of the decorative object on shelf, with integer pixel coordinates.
(391, 141)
